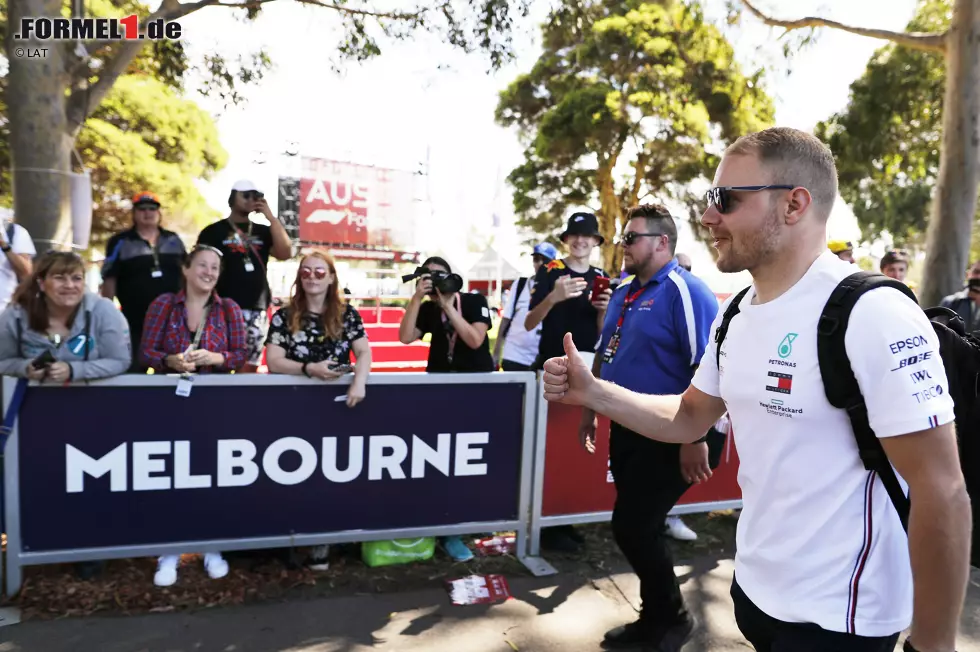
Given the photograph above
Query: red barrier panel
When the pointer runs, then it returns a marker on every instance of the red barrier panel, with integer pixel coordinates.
(578, 483)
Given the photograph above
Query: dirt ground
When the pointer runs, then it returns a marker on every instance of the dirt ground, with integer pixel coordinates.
(126, 587)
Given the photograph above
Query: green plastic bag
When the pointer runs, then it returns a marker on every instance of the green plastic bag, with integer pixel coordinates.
(397, 551)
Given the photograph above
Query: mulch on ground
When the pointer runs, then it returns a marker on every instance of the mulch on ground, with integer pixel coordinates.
(125, 586)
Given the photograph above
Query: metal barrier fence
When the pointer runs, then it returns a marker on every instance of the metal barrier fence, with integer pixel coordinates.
(127, 468)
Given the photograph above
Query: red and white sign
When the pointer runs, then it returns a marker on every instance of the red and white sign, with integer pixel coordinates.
(350, 204)
(478, 589)
(577, 483)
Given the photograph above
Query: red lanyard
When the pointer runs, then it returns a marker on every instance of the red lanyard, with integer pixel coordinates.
(626, 304)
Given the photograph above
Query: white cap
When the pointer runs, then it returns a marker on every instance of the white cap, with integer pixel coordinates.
(243, 184)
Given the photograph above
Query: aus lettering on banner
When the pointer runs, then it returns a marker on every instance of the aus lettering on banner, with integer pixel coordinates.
(165, 465)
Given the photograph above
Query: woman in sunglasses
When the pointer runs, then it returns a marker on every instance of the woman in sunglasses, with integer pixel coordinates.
(195, 330)
(314, 335)
(316, 332)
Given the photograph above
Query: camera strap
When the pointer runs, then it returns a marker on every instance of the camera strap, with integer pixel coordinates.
(451, 334)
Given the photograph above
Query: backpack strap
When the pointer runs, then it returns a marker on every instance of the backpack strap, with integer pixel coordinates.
(726, 319)
(521, 283)
(840, 385)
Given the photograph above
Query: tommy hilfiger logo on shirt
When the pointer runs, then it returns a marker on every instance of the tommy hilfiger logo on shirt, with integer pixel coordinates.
(784, 383)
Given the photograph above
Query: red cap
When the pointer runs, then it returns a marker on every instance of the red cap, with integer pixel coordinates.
(144, 198)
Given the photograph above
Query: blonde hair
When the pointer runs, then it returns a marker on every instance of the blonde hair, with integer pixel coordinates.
(794, 158)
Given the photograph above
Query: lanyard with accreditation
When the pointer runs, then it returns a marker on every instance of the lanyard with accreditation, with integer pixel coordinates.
(610, 353)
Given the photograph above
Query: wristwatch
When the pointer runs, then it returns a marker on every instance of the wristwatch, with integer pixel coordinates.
(5, 248)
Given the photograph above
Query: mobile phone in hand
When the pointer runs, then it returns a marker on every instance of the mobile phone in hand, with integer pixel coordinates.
(599, 285)
(342, 368)
(46, 359)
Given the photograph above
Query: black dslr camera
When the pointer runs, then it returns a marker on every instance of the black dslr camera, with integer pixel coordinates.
(444, 282)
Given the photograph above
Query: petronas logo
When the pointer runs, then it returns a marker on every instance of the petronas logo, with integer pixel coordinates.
(786, 346)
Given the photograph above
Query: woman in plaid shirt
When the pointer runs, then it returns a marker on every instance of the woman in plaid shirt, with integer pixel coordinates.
(172, 338)
(194, 330)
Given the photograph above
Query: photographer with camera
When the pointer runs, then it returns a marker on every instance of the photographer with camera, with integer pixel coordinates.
(458, 321)
(245, 247)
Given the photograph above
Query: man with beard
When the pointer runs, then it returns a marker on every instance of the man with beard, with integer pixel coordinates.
(655, 332)
(823, 561)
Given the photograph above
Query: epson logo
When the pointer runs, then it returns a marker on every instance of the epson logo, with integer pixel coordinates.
(165, 465)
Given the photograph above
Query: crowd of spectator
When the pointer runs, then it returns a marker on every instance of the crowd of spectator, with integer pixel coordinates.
(207, 311)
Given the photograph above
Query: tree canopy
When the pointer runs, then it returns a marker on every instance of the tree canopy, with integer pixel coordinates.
(887, 141)
(629, 102)
(145, 137)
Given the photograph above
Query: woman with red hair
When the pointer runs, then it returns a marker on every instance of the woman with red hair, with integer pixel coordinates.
(315, 333)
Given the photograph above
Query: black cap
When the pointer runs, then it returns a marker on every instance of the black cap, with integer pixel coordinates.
(582, 224)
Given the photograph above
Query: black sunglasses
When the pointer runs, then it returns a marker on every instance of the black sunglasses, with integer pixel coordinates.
(721, 197)
(631, 237)
(252, 194)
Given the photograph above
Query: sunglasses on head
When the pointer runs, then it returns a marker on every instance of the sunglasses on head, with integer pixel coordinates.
(319, 272)
(721, 197)
(631, 237)
(202, 247)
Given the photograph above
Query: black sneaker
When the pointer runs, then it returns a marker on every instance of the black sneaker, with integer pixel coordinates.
(558, 541)
(673, 638)
(638, 634)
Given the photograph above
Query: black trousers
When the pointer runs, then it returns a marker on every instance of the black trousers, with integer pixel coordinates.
(766, 634)
(507, 365)
(648, 482)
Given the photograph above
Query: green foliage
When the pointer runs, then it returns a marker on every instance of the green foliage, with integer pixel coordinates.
(887, 141)
(648, 86)
(145, 137)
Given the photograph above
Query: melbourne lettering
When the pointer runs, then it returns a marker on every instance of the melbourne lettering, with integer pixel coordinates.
(166, 465)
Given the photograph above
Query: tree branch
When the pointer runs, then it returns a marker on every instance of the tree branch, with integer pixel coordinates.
(85, 98)
(930, 42)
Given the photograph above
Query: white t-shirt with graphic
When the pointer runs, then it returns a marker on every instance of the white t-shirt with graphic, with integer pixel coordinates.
(520, 345)
(21, 244)
(818, 539)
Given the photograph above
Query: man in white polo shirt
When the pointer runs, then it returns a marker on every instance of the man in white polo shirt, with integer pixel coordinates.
(823, 562)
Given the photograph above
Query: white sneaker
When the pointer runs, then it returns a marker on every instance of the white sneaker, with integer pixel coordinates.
(215, 565)
(677, 529)
(166, 574)
(319, 558)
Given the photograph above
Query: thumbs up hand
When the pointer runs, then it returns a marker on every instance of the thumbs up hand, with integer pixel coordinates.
(568, 379)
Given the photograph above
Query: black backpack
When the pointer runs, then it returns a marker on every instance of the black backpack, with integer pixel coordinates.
(960, 353)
